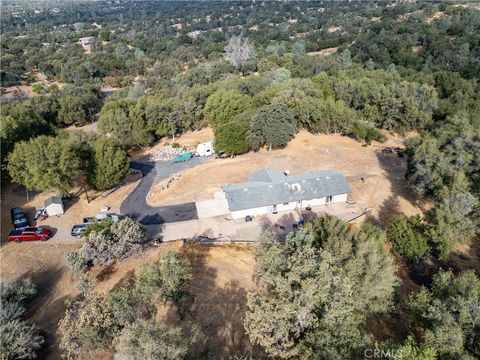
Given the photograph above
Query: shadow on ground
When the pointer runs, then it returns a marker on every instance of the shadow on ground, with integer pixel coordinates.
(218, 308)
(44, 311)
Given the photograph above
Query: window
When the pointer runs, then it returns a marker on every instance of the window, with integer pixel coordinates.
(285, 203)
(329, 199)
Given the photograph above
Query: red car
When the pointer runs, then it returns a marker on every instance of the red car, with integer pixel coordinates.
(30, 234)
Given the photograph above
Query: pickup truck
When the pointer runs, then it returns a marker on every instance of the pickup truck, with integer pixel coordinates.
(29, 234)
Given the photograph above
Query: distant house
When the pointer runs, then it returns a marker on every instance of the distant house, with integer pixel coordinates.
(269, 191)
(86, 40)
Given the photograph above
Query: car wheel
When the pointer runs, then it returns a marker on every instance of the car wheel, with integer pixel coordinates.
(43, 239)
(18, 241)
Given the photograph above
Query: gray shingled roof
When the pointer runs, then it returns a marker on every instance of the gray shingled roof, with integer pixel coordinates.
(268, 187)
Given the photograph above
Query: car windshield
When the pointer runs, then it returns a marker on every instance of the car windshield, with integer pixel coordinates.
(38, 231)
(19, 221)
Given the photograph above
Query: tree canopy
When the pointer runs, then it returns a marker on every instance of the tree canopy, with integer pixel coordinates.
(316, 291)
(43, 163)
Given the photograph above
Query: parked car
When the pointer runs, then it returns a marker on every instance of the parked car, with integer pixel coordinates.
(19, 219)
(30, 234)
(78, 230)
(100, 217)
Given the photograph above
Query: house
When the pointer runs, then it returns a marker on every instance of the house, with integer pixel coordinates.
(86, 40)
(54, 206)
(205, 149)
(269, 191)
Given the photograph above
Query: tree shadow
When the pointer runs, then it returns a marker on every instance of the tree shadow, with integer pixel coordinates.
(43, 310)
(218, 309)
(394, 168)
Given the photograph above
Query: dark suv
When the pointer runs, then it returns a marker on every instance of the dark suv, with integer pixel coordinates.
(19, 219)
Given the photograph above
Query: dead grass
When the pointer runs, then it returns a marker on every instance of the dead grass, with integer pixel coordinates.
(323, 52)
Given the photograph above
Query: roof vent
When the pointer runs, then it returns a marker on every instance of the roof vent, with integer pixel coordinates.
(270, 186)
(327, 177)
(296, 188)
(245, 189)
(286, 172)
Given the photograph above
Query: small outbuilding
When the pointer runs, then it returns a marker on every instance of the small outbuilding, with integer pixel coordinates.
(54, 206)
(205, 149)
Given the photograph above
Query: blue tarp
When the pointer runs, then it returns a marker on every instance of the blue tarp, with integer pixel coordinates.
(182, 157)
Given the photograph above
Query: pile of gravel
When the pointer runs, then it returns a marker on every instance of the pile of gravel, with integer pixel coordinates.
(167, 153)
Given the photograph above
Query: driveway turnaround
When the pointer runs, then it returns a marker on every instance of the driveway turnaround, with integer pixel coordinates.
(135, 205)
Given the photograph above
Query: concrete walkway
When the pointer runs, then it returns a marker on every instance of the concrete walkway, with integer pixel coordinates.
(281, 223)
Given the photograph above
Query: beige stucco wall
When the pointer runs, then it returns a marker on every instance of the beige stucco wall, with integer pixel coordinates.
(240, 214)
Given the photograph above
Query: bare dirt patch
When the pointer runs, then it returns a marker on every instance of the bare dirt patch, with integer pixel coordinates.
(323, 52)
(377, 180)
(417, 49)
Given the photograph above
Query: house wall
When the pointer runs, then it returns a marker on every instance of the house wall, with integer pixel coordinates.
(240, 214)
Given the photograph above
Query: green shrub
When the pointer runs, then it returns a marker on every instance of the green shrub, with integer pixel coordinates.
(407, 238)
(148, 340)
(164, 279)
(107, 241)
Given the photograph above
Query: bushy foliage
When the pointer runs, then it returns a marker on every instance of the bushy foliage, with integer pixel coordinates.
(148, 340)
(44, 163)
(316, 291)
(87, 326)
(443, 165)
(116, 242)
(18, 339)
(223, 105)
(230, 138)
(449, 314)
(273, 125)
(407, 237)
(164, 279)
(20, 123)
(122, 120)
(109, 165)
(124, 316)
